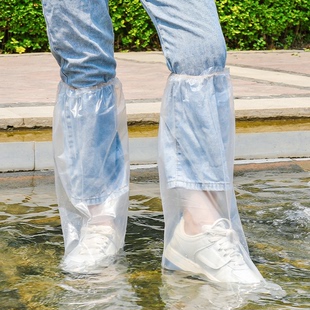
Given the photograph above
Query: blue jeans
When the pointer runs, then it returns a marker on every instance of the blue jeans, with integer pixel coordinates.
(197, 121)
(81, 38)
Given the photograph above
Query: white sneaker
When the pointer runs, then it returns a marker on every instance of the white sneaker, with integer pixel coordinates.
(215, 253)
(96, 249)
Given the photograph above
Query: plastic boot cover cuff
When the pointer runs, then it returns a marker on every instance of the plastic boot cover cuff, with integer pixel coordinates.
(196, 154)
(90, 142)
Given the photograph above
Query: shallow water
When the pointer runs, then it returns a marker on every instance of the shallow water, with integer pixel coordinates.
(151, 130)
(275, 211)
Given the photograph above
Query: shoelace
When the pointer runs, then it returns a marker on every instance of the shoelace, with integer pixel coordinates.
(225, 238)
(96, 238)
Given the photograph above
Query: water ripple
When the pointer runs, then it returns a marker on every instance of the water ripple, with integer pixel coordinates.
(275, 211)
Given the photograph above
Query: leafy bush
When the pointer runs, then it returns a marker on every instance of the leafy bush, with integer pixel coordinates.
(247, 24)
(133, 28)
(265, 24)
(22, 26)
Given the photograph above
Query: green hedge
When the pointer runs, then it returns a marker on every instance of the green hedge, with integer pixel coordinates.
(22, 26)
(265, 24)
(133, 28)
(247, 24)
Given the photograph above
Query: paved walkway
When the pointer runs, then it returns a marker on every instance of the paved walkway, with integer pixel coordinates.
(266, 84)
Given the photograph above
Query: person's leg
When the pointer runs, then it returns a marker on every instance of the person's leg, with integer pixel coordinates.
(89, 134)
(196, 146)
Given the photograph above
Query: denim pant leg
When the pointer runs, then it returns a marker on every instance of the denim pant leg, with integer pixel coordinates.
(81, 39)
(196, 136)
(90, 130)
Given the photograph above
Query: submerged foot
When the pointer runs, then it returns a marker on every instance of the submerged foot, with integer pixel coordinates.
(95, 249)
(215, 253)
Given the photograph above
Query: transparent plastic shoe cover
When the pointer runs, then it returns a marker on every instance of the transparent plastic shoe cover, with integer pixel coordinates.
(90, 142)
(203, 232)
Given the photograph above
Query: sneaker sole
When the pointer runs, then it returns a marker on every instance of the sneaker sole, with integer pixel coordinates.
(83, 268)
(185, 264)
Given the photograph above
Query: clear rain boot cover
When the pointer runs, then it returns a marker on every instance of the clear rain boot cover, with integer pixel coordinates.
(90, 144)
(196, 154)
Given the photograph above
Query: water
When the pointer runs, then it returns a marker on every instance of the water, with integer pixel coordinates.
(151, 130)
(275, 211)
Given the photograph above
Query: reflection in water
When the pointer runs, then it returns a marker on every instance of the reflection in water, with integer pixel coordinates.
(275, 210)
(108, 290)
(186, 293)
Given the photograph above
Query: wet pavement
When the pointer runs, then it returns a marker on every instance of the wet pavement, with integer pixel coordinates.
(274, 206)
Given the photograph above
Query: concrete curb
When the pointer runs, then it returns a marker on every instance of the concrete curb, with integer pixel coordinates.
(139, 112)
(267, 85)
(27, 156)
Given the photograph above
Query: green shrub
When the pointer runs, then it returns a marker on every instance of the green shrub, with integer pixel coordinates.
(265, 24)
(133, 28)
(22, 26)
(247, 24)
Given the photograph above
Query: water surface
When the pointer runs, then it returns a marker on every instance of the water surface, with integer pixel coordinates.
(275, 211)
